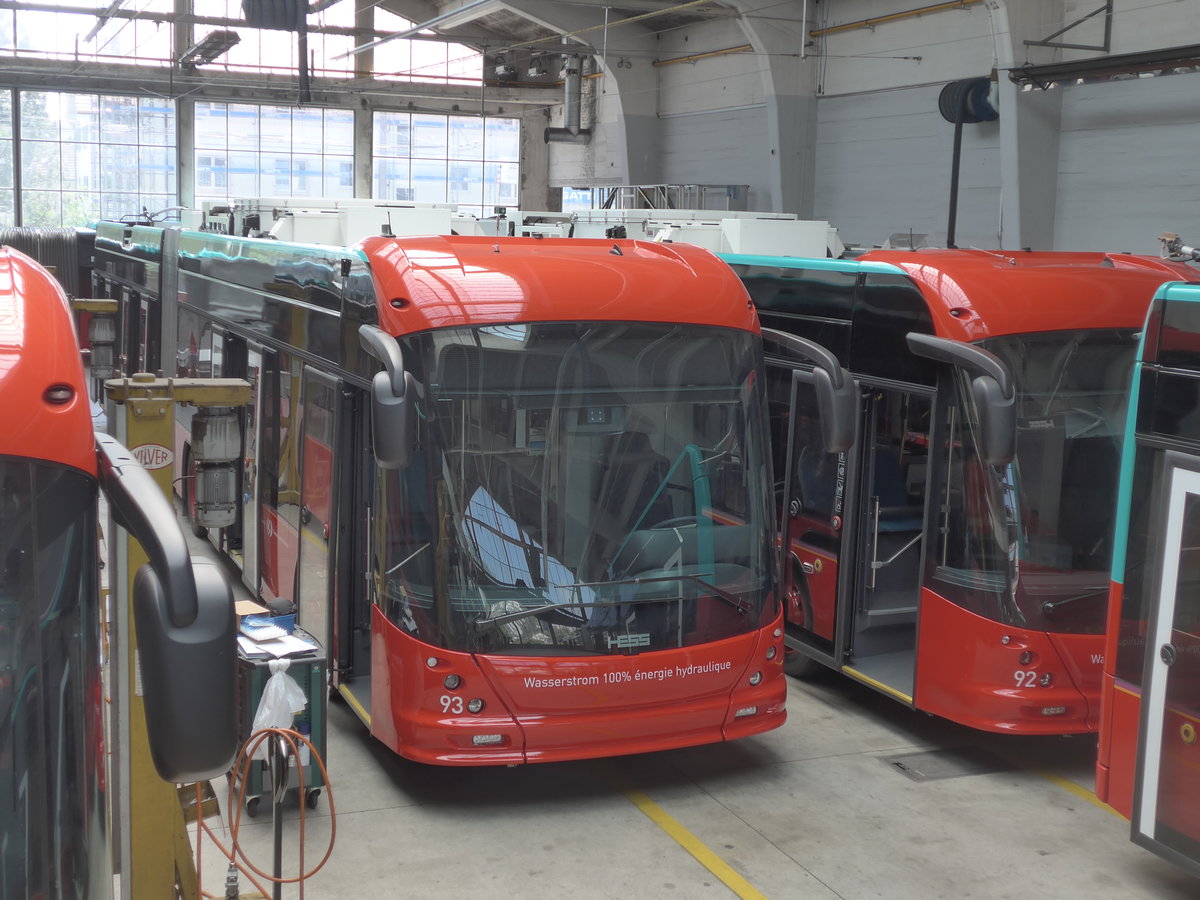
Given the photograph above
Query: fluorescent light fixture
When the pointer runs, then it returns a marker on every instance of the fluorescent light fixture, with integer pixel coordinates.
(213, 45)
(468, 12)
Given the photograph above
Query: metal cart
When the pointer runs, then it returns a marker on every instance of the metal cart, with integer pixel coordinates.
(308, 671)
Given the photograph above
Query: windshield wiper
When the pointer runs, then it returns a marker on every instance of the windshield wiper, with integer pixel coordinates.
(1050, 607)
(492, 622)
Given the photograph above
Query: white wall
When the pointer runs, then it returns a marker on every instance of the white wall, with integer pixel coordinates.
(1128, 164)
(847, 128)
(883, 167)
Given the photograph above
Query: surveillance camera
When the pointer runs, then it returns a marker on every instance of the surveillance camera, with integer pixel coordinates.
(506, 71)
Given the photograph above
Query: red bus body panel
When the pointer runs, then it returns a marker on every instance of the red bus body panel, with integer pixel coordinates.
(37, 353)
(975, 682)
(439, 281)
(975, 294)
(550, 709)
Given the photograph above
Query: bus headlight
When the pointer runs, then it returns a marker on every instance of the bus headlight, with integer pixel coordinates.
(756, 677)
(452, 682)
(474, 705)
(771, 652)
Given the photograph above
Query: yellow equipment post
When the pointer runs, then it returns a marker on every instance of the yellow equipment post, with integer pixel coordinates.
(155, 853)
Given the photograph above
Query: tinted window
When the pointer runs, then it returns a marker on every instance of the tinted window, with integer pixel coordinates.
(1169, 405)
(813, 303)
(1179, 336)
(886, 309)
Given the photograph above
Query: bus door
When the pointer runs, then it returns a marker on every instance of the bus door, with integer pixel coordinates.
(881, 624)
(318, 406)
(354, 488)
(1166, 818)
(814, 501)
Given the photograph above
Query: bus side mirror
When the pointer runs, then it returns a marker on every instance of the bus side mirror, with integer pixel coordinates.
(185, 625)
(393, 422)
(997, 421)
(837, 398)
(838, 405)
(992, 389)
(188, 676)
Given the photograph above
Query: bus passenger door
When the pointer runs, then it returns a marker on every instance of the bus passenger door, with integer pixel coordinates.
(318, 401)
(882, 625)
(813, 500)
(1166, 817)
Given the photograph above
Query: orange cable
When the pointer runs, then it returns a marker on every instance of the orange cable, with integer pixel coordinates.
(240, 772)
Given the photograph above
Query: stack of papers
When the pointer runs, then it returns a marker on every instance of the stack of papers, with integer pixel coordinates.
(260, 637)
(287, 645)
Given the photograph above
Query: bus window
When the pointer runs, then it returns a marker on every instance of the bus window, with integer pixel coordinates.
(582, 472)
(886, 308)
(976, 541)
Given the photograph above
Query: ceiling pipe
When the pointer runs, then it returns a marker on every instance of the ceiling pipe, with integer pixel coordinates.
(893, 17)
(571, 133)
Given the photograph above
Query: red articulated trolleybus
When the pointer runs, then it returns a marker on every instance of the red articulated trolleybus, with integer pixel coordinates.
(542, 531)
(1148, 767)
(54, 816)
(950, 546)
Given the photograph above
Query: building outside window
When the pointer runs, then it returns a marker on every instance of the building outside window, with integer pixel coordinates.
(245, 150)
(89, 156)
(7, 192)
(469, 161)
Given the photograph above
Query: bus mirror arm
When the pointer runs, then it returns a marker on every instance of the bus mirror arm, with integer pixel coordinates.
(139, 506)
(809, 351)
(965, 356)
(384, 348)
(992, 389)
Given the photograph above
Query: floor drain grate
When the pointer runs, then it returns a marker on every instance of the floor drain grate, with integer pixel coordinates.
(934, 765)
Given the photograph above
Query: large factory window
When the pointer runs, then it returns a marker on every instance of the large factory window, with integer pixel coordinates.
(247, 150)
(470, 161)
(88, 156)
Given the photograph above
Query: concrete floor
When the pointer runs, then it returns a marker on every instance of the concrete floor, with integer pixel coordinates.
(817, 809)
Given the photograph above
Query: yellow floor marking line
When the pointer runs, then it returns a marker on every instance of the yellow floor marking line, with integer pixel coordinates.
(354, 704)
(693, 845)
(1077, 789)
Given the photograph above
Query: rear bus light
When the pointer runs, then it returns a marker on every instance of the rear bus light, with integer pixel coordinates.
(746, 711)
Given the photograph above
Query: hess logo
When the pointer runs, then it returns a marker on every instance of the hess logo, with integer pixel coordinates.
(628, 641)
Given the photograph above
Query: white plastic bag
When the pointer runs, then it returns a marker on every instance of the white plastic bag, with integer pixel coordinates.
(281, 699)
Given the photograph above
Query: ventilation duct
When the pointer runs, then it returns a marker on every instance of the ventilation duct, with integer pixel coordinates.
(571, 133)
